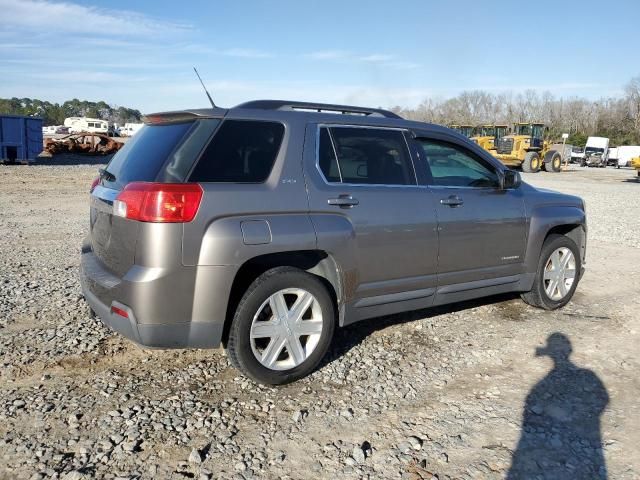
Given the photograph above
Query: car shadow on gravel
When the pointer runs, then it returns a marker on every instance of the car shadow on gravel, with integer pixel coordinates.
(561, 436)
(73, 159)
(347, 338)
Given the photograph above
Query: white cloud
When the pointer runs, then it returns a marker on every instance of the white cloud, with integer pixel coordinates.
(329, 55)
(246, 53)
(378, 59)
(47, 15)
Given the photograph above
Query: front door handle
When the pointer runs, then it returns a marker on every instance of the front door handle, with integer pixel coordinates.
(343, 201)
(452, 201)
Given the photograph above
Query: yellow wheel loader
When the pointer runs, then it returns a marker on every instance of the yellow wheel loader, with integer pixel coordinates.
(486, 136)
(466, 130)
(635, 163)
(526, 148)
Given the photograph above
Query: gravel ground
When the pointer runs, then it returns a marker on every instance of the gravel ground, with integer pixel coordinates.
(454, 392)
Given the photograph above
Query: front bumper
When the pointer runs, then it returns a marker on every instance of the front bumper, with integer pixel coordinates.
(102, 290)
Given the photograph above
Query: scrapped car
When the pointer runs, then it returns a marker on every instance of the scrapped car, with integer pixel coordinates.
(264, 227)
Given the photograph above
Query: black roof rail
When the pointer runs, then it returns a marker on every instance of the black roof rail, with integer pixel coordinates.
(316, 107)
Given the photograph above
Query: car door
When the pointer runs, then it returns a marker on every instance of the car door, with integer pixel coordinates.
(482, 228)
(370, 213)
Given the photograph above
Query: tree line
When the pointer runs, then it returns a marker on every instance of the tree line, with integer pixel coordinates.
(617, 118)
(54, 113)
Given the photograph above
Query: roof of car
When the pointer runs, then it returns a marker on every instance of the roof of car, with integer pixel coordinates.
(309, 111)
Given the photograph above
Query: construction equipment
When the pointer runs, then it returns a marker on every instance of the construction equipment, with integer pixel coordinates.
(635, 163)
(527, 148)
(486, 136)
(466, 130)
(85, 142)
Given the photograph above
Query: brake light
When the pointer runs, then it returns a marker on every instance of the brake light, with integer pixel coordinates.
(119, 311)
(159, 202)
(94, 184)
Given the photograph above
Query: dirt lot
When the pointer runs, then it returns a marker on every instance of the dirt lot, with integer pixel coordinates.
(454, 392)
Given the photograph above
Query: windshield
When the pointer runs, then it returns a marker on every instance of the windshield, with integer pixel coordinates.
(523, 130)
(593, 150)
(500, 132)
(466, 131)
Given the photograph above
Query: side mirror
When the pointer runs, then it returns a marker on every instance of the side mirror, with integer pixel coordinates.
(510, 179)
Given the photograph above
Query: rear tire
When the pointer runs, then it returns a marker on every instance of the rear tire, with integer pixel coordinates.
(552, 161)
(531, 162)
(545, 293)
(260, 337)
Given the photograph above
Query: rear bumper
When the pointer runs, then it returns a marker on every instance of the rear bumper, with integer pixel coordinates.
(148, 325)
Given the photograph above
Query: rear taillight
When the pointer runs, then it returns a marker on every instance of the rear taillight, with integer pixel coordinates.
(158, 202)
(94, 184)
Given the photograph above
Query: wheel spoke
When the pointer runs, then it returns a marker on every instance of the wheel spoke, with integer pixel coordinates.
(264, 329)
(301, 305)
(272, 352)
(569, 273)
(294, 347)
(555, 260)
(308, 327)
(566, 259)
(551, 289)
(278, 305)
(562, 287)
(549, 274)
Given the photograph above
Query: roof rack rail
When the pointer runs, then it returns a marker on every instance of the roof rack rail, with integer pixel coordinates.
(317, 107)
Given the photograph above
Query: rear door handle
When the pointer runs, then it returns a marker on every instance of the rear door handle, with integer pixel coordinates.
(343, 201)
(452, 201)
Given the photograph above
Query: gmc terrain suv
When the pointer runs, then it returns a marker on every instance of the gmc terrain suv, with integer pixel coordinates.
(265, 226)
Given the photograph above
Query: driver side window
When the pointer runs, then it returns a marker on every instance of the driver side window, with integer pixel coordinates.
(454, 166)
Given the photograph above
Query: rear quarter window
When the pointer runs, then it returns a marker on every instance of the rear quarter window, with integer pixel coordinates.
(144, 155)
(241, 151)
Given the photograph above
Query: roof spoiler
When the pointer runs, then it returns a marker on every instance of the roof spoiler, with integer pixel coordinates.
(182, 116)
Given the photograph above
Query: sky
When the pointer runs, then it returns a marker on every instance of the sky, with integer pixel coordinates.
(140, 54)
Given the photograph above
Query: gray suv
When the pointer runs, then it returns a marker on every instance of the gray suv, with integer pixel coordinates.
(264, 227)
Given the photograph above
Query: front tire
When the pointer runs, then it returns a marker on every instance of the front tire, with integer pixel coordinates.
(531, 162)
(557, 275)
(552, 161)
(282, 327)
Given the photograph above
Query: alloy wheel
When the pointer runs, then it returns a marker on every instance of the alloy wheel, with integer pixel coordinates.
(286, 329)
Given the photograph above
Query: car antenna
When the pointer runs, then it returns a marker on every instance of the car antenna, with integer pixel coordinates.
(205, 88)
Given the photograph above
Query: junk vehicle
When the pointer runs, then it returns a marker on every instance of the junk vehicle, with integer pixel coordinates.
(20, 138)
(596, 152)
(486, 136)
(84, 124)
(526, 148)
(264, 227)
(577, 154)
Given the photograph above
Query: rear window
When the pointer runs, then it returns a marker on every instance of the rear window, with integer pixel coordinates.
(242, 151)
(144, 156)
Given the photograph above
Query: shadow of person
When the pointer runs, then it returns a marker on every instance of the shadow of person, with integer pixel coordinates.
(560, 436)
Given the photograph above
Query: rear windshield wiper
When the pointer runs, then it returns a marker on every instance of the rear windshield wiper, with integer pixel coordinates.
(107, 175)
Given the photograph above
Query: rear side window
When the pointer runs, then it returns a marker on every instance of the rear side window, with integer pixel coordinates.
(143, 156)
(242, 151)
(370, 156)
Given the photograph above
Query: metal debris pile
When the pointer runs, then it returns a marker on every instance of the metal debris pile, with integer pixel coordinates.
(84, 142)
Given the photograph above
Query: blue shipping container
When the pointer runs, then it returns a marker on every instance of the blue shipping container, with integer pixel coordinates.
(20, 138)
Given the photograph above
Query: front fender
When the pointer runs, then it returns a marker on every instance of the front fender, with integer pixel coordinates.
(545, 218)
